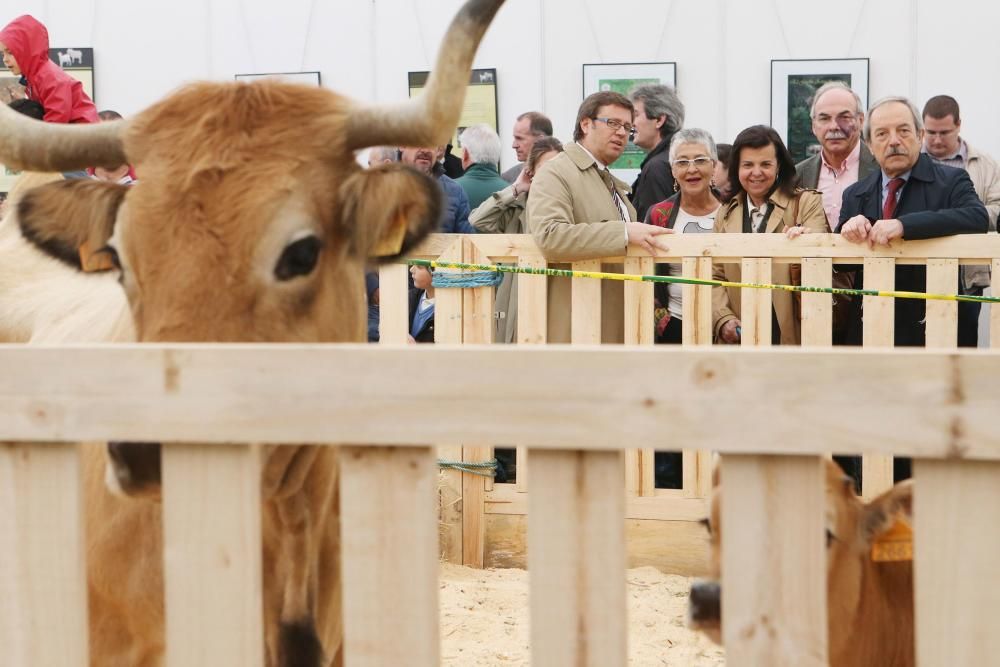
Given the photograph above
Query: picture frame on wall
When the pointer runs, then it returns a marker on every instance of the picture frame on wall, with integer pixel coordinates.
(622, 78)
(78, 62)
(304, 78)
(480, 105)
(793, 83)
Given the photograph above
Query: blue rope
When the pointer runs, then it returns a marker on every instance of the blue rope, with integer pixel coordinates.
(468, 279)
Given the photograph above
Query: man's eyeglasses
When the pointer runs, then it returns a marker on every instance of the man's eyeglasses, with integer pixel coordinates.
(697, 162)
(614, 125)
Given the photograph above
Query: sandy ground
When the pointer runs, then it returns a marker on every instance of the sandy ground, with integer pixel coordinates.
(484, 619)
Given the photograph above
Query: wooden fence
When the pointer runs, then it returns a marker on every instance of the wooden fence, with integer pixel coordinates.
(485, 523)
(937, 406)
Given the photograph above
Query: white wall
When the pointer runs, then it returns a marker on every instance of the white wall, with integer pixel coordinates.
(364, 48)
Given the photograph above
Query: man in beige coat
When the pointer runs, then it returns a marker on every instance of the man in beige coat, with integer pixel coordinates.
(578, 211)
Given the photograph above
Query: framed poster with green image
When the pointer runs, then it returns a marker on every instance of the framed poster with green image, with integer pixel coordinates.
(622, 78)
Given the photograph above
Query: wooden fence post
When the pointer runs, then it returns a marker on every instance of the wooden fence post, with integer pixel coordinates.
(879, 331)
(43, 584)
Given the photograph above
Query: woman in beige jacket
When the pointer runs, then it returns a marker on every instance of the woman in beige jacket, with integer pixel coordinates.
(766, 200)
(503, 213)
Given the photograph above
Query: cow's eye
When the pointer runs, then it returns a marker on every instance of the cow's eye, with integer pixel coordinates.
(298, 258)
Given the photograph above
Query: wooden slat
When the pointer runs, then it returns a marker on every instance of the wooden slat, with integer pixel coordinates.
(43, 589)
(957, 544)
(390, 568)
(994, 309)
(477, 328)
(647, 471)
(586, 397)
(532, 303)
(697, 302)
(586, 306)
(639, 302)
(576, 559)
(521, 483)
(393, 309)
(968, 248)
(448, 329)
(773, 561)
(942, 316)
(879, 331)
(755, 304)
(817, 309)
(212, 555)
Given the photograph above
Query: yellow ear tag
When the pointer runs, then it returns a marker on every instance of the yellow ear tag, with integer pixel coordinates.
(94, 262)
(392, 242)
(895, 545)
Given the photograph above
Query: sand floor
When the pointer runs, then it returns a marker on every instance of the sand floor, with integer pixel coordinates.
(484, 619)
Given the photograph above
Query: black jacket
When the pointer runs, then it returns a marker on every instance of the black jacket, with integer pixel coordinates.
(655, 182)
(936, 201)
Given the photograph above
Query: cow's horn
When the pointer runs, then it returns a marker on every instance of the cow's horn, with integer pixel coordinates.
(26, 143)
(429, 119)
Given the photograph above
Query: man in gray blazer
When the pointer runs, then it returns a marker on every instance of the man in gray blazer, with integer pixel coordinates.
(837, 117)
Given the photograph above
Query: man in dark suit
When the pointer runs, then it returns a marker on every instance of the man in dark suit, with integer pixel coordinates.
(910, 197)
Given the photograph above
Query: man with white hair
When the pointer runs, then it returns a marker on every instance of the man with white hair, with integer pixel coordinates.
(480, 156)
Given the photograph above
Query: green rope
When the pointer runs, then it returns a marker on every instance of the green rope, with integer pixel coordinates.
(470, 279)
(566, 273)
(485, 469)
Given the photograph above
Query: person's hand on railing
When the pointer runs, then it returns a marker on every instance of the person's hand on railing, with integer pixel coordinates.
(796, 231)
(644, 236)
(884, 232)
(730, 332)
(856, 229)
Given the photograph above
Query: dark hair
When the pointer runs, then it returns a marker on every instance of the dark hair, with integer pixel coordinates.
(942, 106)
(594, 102)
(109, 114)
(725, 152)
(542, 146)
(29, 108)
(538, 123)
(759, 136)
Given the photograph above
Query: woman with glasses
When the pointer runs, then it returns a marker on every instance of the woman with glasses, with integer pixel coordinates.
(766, 200)
(691, 210)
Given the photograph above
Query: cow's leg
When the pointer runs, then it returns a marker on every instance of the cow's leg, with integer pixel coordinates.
(299, 644)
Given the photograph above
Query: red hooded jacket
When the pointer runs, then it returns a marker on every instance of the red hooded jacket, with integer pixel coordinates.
(62, 96)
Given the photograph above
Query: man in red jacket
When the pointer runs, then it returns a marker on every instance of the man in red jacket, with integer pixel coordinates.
(24, 43)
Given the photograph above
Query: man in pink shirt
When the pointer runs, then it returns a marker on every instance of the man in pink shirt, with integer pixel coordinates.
(837, 117)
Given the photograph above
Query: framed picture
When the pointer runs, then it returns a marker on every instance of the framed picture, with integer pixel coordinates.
(78, 62)
(793, 83)
(480, 101)
(622, 78)
(304, 78)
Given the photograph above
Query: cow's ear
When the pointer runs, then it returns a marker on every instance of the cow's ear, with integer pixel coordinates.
(881, 514)
(71, 220)
(386, 211)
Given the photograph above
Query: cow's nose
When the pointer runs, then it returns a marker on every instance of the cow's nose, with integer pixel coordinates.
(704, 601)
(136, 465)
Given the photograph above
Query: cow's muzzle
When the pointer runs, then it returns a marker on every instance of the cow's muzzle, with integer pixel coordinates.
(134, 468)
(705, 609)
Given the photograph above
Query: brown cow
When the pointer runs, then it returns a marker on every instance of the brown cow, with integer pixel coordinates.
(251, 222)
(869, 604)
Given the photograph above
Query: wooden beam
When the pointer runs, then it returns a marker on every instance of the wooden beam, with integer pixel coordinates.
(212, 555)
(587, 397)
(389, 547)
(879, 331)
(773, 561)
(43, 583)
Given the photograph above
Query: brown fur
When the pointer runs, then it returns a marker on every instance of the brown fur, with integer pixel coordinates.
(229, 174)
(869, 604)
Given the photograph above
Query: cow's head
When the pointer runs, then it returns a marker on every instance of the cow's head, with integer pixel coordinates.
(252, 220)
(852, 527)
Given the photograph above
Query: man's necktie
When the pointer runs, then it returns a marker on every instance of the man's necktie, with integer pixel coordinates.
(889, 207)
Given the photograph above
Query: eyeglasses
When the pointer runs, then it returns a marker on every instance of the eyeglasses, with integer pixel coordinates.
(614, 125)
(698, 162)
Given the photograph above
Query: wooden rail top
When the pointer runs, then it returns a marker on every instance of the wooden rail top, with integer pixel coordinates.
(580, 397)
(967, 248)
